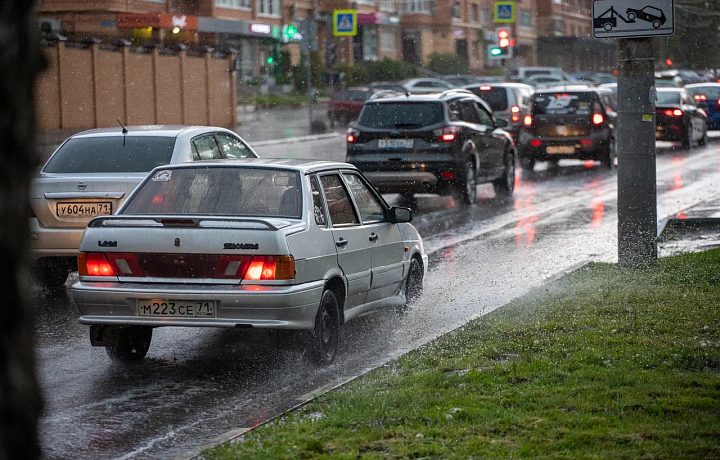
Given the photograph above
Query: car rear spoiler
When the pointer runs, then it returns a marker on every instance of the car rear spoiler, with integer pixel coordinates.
(183, 221)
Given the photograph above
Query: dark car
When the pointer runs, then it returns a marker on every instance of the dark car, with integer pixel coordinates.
(346, 105)
(707, 96)
(509, 101)
(678, 118)
(569, 122)
(650, 14)
(444, 143)
(387, 85)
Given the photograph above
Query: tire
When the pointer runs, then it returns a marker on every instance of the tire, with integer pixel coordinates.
(51, 279)
(704, 139)
(687, 139)
(631, 16)
(608, 158)
(325, 336)
(656, 24)
(466, 190)
(527, 163)
(505, 185)
(607, 27)
(414, 282)
(133, 344)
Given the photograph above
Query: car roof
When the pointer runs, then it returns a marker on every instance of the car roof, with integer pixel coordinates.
(668, 89)
(438, 96)
(565, 88)
(300, 165)
(700, 85)
(503, 84)
(147, 130)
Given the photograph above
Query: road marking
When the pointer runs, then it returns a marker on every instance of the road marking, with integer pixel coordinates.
(290, 140)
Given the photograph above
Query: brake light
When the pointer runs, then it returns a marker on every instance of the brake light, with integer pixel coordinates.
(263, 268)
(94, 264)
(527, 121)
(598, 119)
(447, 175)
(674, 113)
(700, 97)
(352, 135)
(447, 134)
(535, 142)
(515, 109)
(585, 141)
(485, 88)
(125, 264)
(231, 267)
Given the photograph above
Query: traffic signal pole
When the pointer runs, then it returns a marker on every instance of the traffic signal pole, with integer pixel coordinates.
(637, 192)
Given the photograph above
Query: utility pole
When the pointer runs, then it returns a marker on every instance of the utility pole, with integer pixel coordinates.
(309, 81)
(637, 192)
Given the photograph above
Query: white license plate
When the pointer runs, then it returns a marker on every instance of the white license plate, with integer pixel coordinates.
(396, 143)
(175, 308)
(78, 209)
(560, 149)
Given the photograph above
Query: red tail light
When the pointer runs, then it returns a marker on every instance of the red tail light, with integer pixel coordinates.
(231, 267)
(270, 268)
(700, 97)
(94, 264)
(447, 134)
(352, 135)
(536, 142)
(598, 119)
(674, 113)
(515, 109)
(485, 88)
(585, 141)
(527, 121)
(125, 264)
(447, 175)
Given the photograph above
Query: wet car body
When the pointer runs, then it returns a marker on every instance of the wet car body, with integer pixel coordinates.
(346, 105)
(94, 171)
(569, 122)
(707, 96)
(244, 244)
(442, 143)
(678, 118)
(509, 101)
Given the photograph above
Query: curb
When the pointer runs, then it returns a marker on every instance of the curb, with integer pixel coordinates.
(289, 140)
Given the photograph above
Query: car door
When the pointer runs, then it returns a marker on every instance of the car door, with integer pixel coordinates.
(204, 147)
(384, 237)
(495, 140)
(233, 148)
(697, 121)
(353, 246)
(475, 132)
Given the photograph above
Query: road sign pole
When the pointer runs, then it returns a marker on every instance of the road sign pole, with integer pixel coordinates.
(309, 86)
(637, 193)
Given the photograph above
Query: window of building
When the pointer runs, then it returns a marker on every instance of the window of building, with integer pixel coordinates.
(370, 43)
(387, 41)
(476, 49)
(268, 7)
(455, 12)
(387, 5)
(234, 4)
(475, 13)
(417, 6)
(525, 18)
(485, 15)
(366, 2)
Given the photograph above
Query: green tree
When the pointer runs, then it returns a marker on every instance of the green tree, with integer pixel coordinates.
(695, 42)
(447, 64)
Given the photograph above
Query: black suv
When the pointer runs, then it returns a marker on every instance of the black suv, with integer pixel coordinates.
(444, 143)
(569, 122)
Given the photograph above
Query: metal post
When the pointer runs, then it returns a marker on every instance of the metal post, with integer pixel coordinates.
(637, 193)
(309, 86)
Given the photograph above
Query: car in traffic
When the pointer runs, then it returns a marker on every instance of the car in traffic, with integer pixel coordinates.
(509, 101)
(345, 105)
(654, 16)
(678, 118)
(571, 122)
(445, 143)
(302, 246)
(522, 73)
(387, 85)
(546, 81)
(707, 97)
(92, 173)
(460, 80)
(426, 85)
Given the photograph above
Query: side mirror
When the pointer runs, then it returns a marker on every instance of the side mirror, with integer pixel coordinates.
(400, 215)
(501, 122)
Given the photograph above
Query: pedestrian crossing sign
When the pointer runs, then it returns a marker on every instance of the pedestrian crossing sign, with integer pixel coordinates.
(504, 12)
(344, 23)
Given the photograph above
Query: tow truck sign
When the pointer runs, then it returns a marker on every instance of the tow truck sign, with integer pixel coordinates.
(633, 18)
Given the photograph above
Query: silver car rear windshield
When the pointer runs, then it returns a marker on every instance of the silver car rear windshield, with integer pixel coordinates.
(111, 154)
(219, 191)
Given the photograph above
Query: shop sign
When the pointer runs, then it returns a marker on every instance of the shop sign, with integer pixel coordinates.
(160, 21)
(258, 28)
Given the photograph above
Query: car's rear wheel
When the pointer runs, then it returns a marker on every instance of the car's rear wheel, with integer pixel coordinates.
(505, 185)
(133, 344)
(704, 139)
(608, 158)
(656, 24)
(687, 138)
(325, 336)
(466, 190)
(51, 279)
(527, 163)
(631, 16)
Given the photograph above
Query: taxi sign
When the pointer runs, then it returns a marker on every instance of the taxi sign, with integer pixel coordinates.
(344, 23)
(504, 12)
(633, 18)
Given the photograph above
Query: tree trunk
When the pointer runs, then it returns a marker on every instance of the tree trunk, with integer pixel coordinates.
(20, 399)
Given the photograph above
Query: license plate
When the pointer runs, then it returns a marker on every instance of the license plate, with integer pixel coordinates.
(76, 209)
(560, 149)
(177, 308)
(396, 143)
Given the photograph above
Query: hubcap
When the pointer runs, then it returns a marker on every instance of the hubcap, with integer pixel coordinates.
(326, 332)
(511, 174)
(470, 182)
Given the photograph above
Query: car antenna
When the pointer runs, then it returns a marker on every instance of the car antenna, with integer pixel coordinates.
(124, 131)
(407, 93)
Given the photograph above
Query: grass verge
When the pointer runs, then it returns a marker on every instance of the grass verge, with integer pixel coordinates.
(602, 364)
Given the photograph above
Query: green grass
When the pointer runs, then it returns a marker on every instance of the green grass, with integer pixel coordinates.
(604, 364)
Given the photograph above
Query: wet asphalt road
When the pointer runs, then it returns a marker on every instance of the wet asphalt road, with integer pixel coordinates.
(197, 384)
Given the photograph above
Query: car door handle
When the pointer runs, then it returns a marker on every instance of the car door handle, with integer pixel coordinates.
(374, 237)
(341, 243)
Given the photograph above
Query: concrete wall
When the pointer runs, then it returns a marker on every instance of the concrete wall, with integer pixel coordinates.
(85, 88)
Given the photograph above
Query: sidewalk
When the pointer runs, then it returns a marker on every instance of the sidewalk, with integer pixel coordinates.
(281, 122)
(600, 364)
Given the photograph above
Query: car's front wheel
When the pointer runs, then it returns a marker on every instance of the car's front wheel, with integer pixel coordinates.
(414, 283)
(505, 185)
(133, 344)
(527, 163)
(324, 338)
(631, 16)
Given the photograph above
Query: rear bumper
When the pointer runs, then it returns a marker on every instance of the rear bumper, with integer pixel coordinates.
(599, 145)
(270, 307)
(53, 242)
(670, 132)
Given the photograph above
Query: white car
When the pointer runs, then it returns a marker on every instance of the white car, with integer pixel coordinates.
(298, 245)
(93, 172)
(426, 85)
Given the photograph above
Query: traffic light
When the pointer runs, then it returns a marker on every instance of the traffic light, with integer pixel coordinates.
(498, 52)
(503, 46)
(270, 60)
(503, 38)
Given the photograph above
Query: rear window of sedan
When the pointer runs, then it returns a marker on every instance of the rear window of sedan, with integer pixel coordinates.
(710, 92)
(353, 95)
(668, 97)
(111, 154)
(394, 115)
(578, 103)
(496, 97)
(219, 191)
